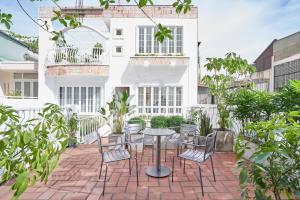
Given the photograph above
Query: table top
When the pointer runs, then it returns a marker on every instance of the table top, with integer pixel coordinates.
(158, 131)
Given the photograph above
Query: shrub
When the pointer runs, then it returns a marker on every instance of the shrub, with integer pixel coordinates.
(159, 122)
(137, 120)
(273, 168)
(175, 121)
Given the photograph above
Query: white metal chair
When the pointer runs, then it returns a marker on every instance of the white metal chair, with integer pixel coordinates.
(117, 154)
(199, 156)
(177, 139)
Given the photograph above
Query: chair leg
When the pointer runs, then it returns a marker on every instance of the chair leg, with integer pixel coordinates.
(100, 169)
(129, 165)
(173, 167)
(212, 165)
(104, 179)
(201, 180)
(137, 171)
(184, 166)
(142, 152)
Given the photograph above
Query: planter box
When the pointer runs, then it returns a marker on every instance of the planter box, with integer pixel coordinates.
(224, 141)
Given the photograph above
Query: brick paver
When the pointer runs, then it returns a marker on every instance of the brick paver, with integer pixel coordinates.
(76, 178)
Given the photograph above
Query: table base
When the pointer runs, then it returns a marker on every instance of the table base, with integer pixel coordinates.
(163, 172)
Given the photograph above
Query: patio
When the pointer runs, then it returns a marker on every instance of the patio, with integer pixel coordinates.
(76, 177)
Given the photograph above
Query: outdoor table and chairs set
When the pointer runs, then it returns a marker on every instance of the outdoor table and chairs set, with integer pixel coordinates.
(185, 140)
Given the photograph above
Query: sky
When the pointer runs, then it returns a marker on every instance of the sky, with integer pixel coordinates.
(246, 27)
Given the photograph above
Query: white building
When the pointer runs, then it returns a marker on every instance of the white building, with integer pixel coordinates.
(18, 73)
(162, 77)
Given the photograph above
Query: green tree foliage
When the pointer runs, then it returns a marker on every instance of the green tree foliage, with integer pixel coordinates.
(30, 151)
(224, 73)
(273, 168)
(30, 41)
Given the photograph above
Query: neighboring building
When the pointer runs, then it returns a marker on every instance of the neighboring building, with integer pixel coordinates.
(278, 63)
(18, 69)
(120, 54)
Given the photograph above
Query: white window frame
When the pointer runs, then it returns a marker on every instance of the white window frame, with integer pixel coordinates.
(115, 36)
(143, 109)
(153, 28)
(115, 53)
(31, 81)
(79, 98)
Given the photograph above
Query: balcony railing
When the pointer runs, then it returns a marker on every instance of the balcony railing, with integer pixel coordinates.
(77, 56)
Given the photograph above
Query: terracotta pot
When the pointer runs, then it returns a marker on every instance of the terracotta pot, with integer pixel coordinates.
(224, 141)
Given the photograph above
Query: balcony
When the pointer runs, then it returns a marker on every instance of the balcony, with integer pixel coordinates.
(77, 61)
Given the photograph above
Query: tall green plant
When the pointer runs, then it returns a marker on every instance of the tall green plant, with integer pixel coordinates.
(274, 167)
(116, 110)
(224, 73)
(205, 124)
(30, 151)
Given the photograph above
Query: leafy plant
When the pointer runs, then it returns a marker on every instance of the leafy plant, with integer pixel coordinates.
(116, 110)
(159, 122)
(288, 98)
(274, 167)
(224, 73)
(15, 93)
(175, 122)
(73, 127)
(137, 120)
(97, 50)
(205, 124)
(30, 150)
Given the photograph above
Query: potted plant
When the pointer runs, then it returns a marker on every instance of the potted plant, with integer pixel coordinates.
(73, 128)
(116, 111)
(97, 50)
(225, 72)
(205, 127)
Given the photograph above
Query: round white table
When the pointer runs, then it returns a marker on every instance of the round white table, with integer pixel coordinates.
(158, 170)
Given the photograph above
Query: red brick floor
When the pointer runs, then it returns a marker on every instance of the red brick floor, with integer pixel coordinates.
(76, 178)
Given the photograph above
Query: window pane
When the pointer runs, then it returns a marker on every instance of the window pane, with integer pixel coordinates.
(178, 96)
(171, 41)
(163, 99)
(156, 43)
(90, 99)
(148, 99)
(18, 86)
(35, 89)
(69, 95)
(148, 39)
(98, 99)
(164, 46)
(27, 89)
(171, 99)
(141, 39)
(83, 99)
(76, 95)
(140, 98)
(179, 40)
(155, 99)
(62, 96)
(30, 76)
(17, 75)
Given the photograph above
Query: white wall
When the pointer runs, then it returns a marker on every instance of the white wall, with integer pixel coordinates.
(5, 78)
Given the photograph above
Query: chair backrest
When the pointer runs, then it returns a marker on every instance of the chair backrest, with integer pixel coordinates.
(188, 129)
(210, 143)
(134, 128)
